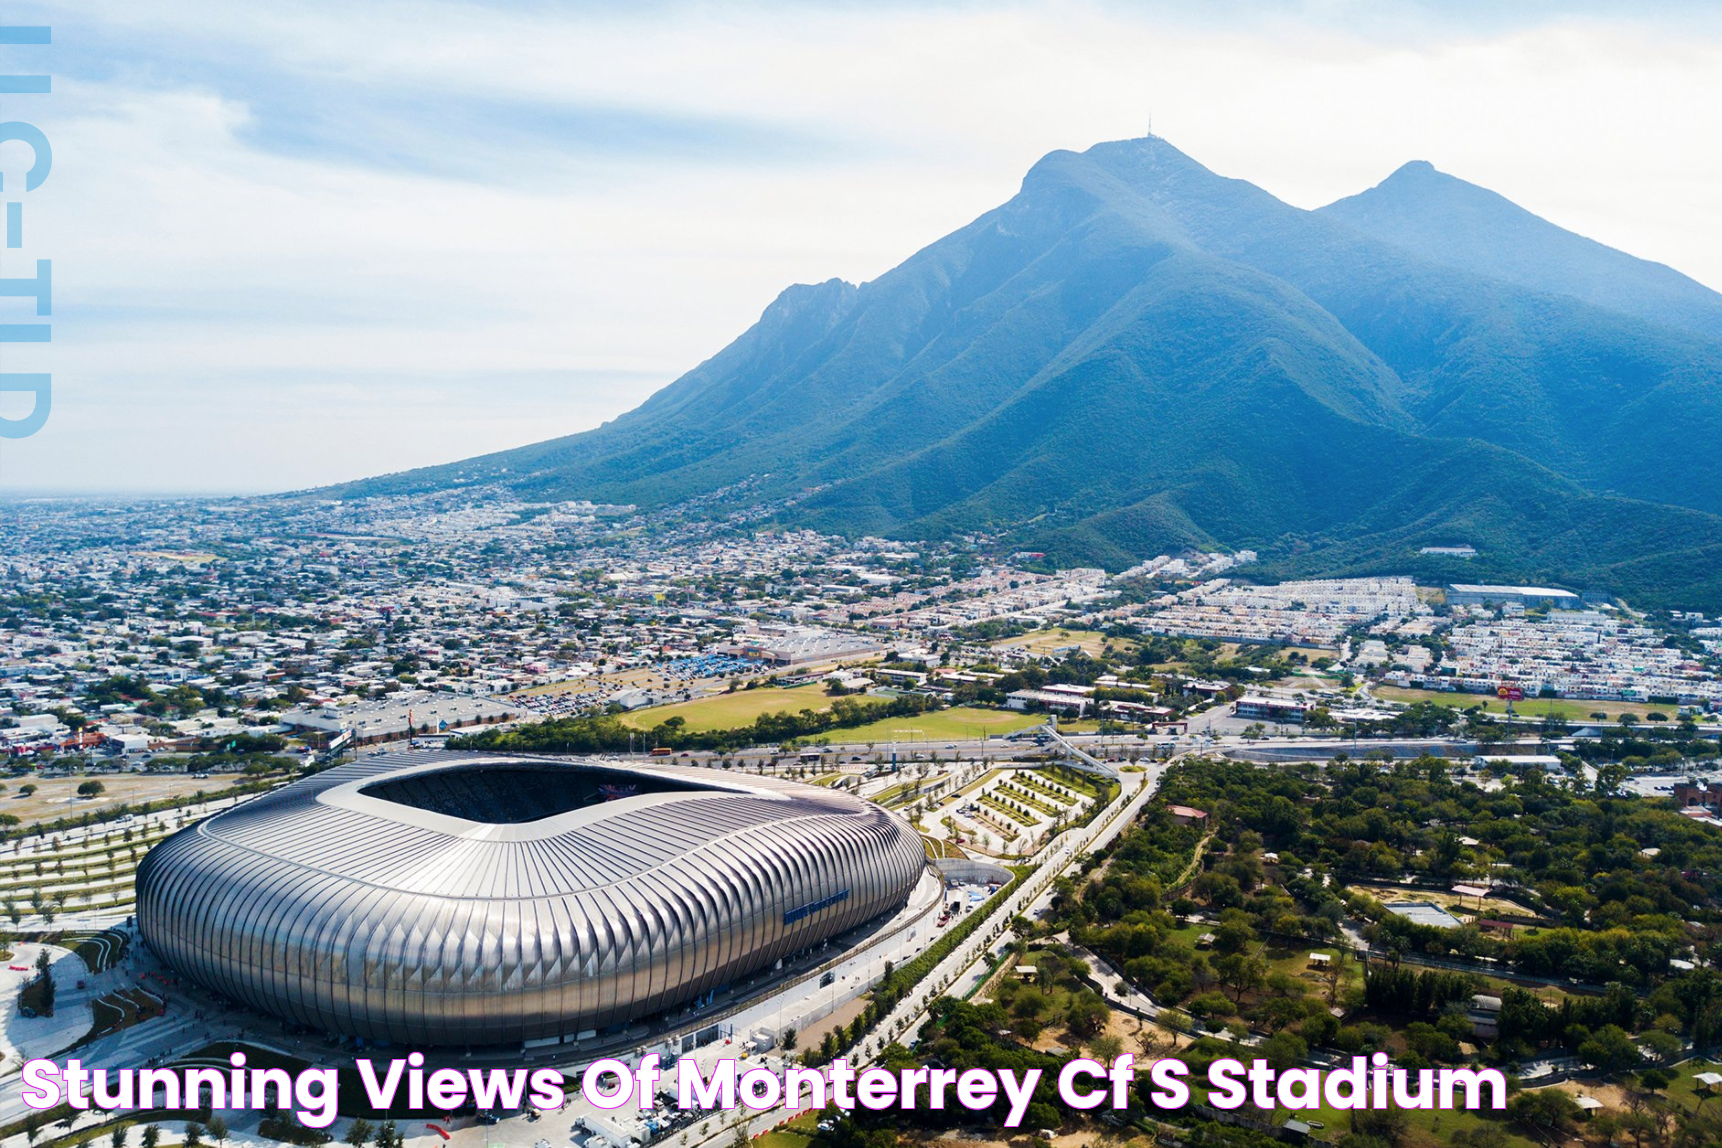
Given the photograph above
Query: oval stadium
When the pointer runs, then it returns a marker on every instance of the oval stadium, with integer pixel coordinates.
(475, 899)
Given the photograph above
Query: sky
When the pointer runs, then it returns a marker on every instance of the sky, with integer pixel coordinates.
(301, 242)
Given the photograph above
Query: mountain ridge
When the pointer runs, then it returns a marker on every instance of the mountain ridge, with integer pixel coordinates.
(1134, 353)
(1484, 232)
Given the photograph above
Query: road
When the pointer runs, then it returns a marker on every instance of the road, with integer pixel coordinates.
(903, 1024)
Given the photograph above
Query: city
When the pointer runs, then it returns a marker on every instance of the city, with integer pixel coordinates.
(1045, 574)
(166, 662)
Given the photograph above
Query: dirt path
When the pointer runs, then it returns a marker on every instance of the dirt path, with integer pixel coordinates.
(1195, 862)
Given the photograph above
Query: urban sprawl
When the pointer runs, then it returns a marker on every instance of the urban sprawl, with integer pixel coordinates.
(1180, 809)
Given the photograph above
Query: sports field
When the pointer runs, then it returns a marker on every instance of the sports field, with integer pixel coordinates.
(727, 711)
(1046, 641)
(57, 797)
(962, 722)
(1566, 709)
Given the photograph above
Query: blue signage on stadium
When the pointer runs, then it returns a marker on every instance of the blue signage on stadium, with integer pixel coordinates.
(791, 916)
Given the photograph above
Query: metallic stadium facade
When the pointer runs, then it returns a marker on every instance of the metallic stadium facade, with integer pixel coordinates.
(474, 899)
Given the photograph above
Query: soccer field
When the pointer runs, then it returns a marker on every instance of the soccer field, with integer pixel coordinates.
(727, 711)
(963, 722)
(1567, 709)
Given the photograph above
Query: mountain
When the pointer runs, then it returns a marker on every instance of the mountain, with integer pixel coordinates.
(1445, 220)
(1135, 354)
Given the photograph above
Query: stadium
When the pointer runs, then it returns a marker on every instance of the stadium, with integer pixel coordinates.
(482, 900)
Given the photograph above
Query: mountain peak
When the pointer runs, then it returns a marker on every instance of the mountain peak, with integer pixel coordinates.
(1122, 158)
(1421, 183)
(1457, 224)
(1414, 169)
(1136, 354)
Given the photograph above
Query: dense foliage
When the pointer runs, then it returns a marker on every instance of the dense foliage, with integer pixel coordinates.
(1607, 890)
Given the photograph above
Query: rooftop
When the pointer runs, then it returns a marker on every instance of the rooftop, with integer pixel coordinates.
(1527, 591)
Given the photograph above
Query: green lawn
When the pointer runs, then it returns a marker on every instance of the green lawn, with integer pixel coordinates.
(905, 793)
(961, 722)
(1004, 810)
(1295, 962)
(1428, 1129)
(1567, 709)
(1035, 801)
(1684, 1090)
(1032, 782)
(727, 711)
(978, 783)
(1071, 780)
(1190, 931)
(798, 1133)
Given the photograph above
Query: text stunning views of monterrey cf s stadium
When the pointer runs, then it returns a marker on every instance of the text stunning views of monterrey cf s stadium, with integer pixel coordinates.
(471, 899)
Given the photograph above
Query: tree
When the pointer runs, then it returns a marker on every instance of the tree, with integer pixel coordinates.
(1385, 1126)
(1546, 1111)
(91, 789)
(193, 1135)
(1610, 1049)
(1483, 1136)
(1105, 1047)
(151, 1136)
(1334, 974)
(1661, 1045)
(359, 1132)
(1240, 972)
(1655, 1079)
(1088, 1014)
(218, 1129)
(789, 1039)
(120, 1136)
(1284, 1050)
(1698, 1129)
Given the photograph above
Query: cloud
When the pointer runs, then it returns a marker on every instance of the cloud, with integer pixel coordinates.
(268, 220)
